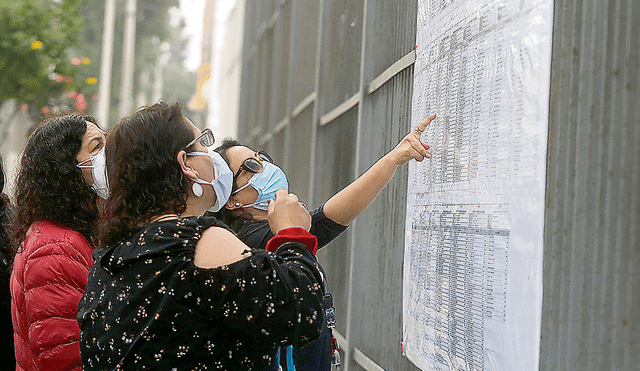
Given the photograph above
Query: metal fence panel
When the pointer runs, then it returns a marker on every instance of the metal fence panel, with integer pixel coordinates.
(341, 99)
(280, 66)
(348, 95)
(375, 326)
(400, 18)
(299, 170)
(306, 38)
(340, 69)
(334, 170)
(590, 316)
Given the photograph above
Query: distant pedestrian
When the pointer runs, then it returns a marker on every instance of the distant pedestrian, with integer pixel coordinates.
(54, 219)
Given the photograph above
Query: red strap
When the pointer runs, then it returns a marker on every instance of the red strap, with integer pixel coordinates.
(293, 234)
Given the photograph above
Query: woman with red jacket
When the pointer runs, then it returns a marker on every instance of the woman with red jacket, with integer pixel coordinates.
(61, 172)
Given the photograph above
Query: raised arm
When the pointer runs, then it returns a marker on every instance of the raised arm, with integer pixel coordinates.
(351, 201)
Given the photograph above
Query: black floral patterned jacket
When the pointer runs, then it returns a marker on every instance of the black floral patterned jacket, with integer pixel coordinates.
(147, 306)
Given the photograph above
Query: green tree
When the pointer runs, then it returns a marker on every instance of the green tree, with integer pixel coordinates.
(153, 27)
(35, 39)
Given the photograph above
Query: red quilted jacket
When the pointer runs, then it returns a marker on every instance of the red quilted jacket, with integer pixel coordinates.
(48, 279)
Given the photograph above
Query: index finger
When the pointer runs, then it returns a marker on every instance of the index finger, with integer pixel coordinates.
(423, 125)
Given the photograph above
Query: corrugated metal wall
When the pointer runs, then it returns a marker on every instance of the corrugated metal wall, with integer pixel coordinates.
(591, 304)
(326, 89)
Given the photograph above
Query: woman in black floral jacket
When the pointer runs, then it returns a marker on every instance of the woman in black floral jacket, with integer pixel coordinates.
(172, 290)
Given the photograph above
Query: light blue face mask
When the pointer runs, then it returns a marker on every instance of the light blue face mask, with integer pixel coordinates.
(266, 183)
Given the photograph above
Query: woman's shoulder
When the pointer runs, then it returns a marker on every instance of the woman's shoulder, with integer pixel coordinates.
(219, 246)
(46, 232)
(168, 238)
(162, 235)
(211, 221)
(49, 241)
(175, 230)
(193, 224)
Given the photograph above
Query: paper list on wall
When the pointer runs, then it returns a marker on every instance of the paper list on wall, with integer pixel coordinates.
(473, 250)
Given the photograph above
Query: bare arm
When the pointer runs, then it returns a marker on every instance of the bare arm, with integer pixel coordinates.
(218, 247)
(350, 202)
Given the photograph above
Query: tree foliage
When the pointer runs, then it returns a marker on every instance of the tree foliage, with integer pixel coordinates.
(35, 38)
(153, 27)
(50, 53)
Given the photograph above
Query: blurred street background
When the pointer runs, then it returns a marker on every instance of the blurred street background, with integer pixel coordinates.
(326, 87)
(105, 59)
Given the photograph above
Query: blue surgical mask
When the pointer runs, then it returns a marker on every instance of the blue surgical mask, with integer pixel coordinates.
(223, 178)
(266, 183)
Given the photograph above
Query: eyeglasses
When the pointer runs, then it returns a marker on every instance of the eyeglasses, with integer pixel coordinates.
(252, 164)
(206, 138)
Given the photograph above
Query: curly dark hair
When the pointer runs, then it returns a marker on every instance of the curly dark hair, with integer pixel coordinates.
(49, 185)
(145, 178)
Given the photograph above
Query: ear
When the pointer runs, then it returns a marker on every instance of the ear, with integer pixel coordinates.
(187, 170)
(232, 204)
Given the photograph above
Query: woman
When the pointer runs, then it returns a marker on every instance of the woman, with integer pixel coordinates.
(172, 290)
(6, 327)
(54, 218)
(256, 178)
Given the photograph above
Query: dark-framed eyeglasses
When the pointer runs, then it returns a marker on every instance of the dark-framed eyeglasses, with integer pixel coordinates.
(253, 165)
(206, 137)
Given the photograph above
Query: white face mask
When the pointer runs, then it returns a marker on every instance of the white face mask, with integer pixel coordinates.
(99, 173)
(223, 181)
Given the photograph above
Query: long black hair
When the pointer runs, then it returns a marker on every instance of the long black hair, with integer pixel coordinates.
(49, 185)
(145, 178)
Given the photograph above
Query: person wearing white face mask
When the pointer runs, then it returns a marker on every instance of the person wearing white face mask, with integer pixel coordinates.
(223, 177)
(53, 223)
(98, 175)
(172, 289)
